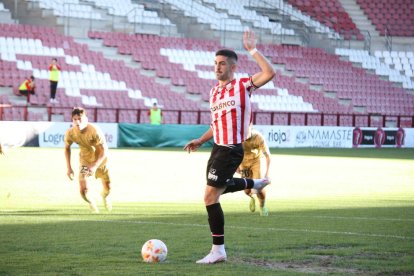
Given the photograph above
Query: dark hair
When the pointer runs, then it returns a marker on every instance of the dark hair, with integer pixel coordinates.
(32, 78)
(227, 53)
(55, 59)
(78, 111)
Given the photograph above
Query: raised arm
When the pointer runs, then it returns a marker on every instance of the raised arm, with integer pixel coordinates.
(267, 71)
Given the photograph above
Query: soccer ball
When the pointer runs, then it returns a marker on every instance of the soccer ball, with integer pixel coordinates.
(154, 251)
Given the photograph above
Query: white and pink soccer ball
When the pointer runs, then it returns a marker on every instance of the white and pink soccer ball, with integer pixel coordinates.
(154, 251)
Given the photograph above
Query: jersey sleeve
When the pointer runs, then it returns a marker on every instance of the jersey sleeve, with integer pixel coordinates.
(68, 138)
(248, 84)
(99, 137)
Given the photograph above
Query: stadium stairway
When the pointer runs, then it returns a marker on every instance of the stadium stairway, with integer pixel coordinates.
(377, 41)
(361, 21)
(332, 14)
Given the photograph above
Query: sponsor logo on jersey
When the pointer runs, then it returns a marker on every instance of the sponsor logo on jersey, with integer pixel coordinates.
(223, 105)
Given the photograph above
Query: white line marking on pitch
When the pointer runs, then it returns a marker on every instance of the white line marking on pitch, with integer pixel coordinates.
(356, 218)
(273, 229)
(234, 227)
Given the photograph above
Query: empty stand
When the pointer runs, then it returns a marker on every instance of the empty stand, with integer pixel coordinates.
(398, 66)
(241, 10)
(331, 14)
(120, 93)
(391, 17)
(87, 78)
(341, 78)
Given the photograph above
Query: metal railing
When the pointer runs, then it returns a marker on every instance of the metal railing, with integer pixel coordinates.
(69, 9)
(259, 117)
(388, 39)
(367, 40)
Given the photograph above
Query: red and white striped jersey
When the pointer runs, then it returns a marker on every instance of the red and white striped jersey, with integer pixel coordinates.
(231, 111)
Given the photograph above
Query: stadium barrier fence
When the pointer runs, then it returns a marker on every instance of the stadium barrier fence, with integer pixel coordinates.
(259, 117)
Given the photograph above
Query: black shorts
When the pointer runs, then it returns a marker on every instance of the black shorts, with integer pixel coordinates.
(223, 163)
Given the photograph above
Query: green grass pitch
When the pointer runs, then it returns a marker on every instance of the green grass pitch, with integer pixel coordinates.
(336, 212)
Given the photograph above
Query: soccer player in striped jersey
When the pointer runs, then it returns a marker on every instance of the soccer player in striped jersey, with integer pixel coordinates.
(255, 147)
(92, 156)
(231, 116)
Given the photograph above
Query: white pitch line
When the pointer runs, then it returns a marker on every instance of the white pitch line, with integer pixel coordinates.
(237, 227)
(309, 217)
(275, 229)
(351, 218)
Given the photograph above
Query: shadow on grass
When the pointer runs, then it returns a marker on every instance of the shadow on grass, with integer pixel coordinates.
(362, 241)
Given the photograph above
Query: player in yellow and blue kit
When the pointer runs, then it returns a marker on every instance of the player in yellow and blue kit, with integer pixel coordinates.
(255, 148)
(92, 157)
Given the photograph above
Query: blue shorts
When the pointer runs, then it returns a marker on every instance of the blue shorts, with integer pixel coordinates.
(223, 163)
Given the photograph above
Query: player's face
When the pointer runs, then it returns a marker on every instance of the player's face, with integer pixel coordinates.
(80, 121)
(224, 68)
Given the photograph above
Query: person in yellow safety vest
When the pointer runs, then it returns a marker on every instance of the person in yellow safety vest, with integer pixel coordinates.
(27, 87)
(155, 115)
(54, 72)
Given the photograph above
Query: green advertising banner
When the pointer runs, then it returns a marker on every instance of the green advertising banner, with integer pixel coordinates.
(146, 135)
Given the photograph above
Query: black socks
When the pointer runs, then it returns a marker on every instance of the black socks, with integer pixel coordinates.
(216, 222)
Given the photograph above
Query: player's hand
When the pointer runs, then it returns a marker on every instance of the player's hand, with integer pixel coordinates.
(249, 40)
(70, 174)
(193, 145)
(92, 170)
